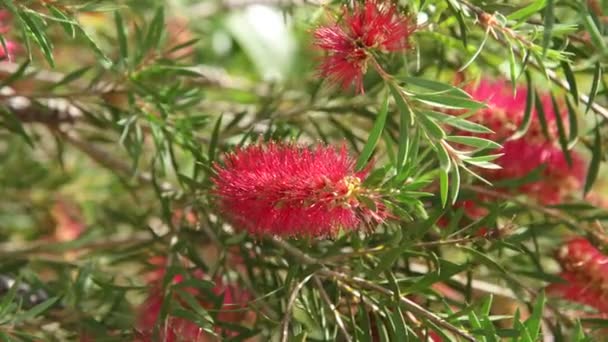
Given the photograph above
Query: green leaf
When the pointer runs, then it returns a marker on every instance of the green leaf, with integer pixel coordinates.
(37, 310)
(595, 322)
(530, 101)
(563, 140)
(485, 259)
(461, 24)
(485, 158)
(121, 34)
(33, 23)
(438, 88)
(594, 31)
(597, 75)
(596, 158)
(374, 136)
(155, 30)
(528, 11)
(483, 161)
(74, 75)
(549, 20)
(533, 323)
(93, 44)
(479, 143)
(449, 102)
(571, 80)
(8, 298)
(364, 327)
(572, 123)
(540, 113)
(401, 328)
(443, 186)
(457, 122)
(455, 184)
(386, 261)
(477, 52)
(66, 22)
(444, 157)
(512, 66)
(431, 127)
(443, 273)
(405, 122)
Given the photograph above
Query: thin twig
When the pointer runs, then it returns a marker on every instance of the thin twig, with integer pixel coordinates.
(291, 301)
(333, 309)
(555, 213)
(486, 21)
(366, 284)
(382, 248)
(107, 160)
(44, 247)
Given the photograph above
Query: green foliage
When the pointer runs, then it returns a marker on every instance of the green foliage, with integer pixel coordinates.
(119, 110)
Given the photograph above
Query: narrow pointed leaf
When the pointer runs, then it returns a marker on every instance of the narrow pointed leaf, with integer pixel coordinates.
(563, 140)
(374, 135)
(571, 81)
(405, 121)
(596, 158)
(597, 75)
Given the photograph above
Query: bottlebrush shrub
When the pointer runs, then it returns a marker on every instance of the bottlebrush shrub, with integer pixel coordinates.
(199, 142)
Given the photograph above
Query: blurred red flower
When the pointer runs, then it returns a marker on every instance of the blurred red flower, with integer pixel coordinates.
(375, 26)
(176, 329)
(291, 190)
(557, 181)
(505, 110)
(8, 50)
(585, 271)
(504, 114)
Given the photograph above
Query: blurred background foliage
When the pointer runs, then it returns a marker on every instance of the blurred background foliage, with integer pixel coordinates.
(114, 111)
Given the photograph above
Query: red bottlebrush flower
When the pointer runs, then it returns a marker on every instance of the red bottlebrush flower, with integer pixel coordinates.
(505, 110)
(585, 270)
(9, 52)
(504, 114)
(174, 328)
(558, 179)
(10, 48)
(374, 26)
(291, 190)
(179, 329)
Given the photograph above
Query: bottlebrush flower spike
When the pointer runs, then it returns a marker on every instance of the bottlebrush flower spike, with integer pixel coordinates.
(375, 26)
(505, 110)
(504, 114)
(558, 180)
(585, 270)
(291, 190)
